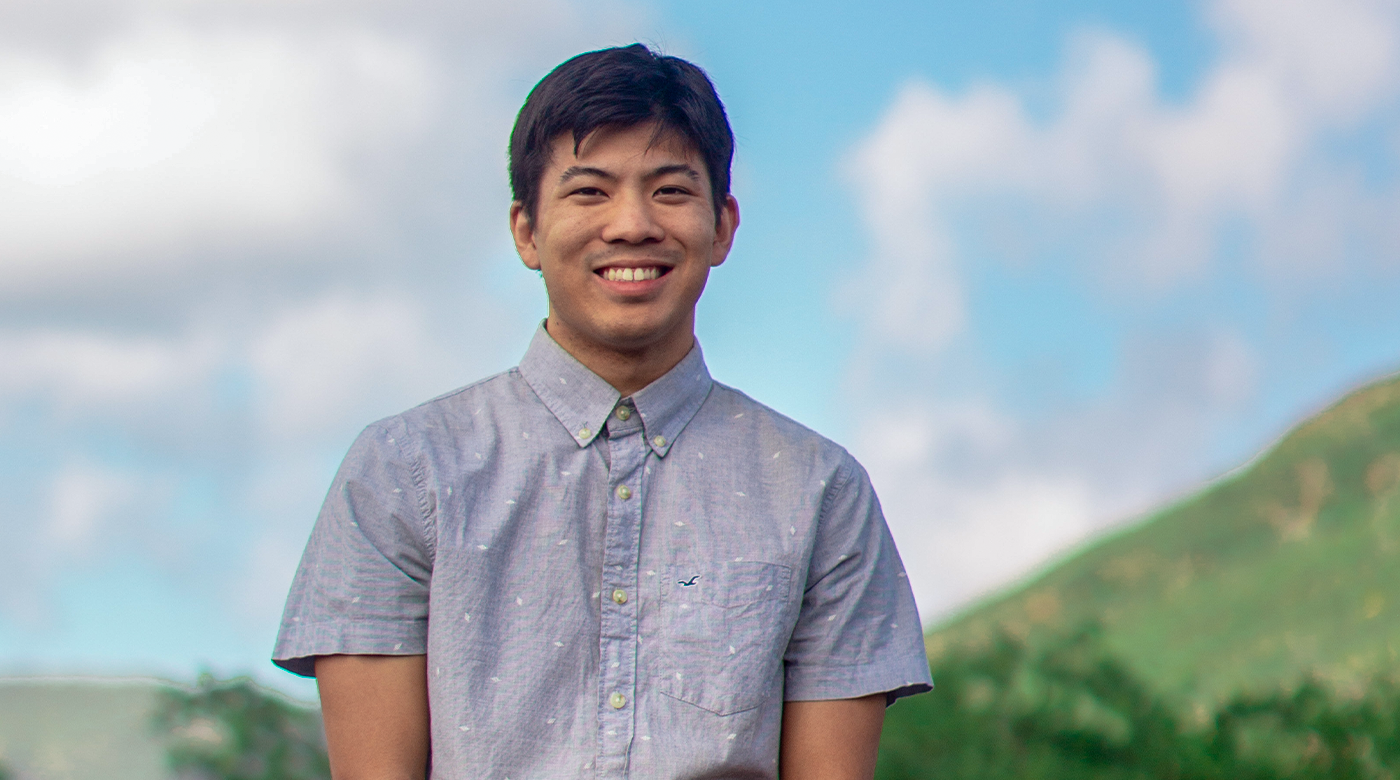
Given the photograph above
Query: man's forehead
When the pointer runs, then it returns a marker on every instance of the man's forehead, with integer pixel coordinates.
(648, 137)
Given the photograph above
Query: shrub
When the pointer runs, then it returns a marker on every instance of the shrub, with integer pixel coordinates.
(235, 730)
(1068, 709)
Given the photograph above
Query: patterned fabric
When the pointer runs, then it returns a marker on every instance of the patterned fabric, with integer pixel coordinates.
(604, 586)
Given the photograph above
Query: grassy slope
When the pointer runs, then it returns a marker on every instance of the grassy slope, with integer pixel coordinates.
(79, 730)
(88, 728)
(1291, 566)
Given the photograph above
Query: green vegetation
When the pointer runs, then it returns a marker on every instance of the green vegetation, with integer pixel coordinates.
(1250, 631)
(78, 729)
(1069, 710)
(145, 729)
(1288, 568)
(1065, 710)
(235, 730)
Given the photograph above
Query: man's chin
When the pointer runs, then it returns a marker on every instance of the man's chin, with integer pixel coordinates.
(637, 338)
(633, 340)
(633, 332)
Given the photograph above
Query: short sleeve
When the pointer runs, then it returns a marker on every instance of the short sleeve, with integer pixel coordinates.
(362, 586)
(858, 632)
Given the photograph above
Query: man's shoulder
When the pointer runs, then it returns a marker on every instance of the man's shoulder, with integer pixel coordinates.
(476, 406)
(764, 424)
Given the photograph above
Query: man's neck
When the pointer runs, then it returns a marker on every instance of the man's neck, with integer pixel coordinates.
(627, 370)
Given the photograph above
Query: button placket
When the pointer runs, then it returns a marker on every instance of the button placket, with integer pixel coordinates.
(617, 673)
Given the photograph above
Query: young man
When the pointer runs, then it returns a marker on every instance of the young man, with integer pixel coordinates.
(603, 563)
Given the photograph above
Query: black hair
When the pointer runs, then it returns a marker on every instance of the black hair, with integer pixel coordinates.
(623, 86)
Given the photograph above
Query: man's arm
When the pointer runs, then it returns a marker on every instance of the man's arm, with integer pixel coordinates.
(375, 708)
(831, 740)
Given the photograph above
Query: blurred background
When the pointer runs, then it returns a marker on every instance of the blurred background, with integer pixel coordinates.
(1044, 267)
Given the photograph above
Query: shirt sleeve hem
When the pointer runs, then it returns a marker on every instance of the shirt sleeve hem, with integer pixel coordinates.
(298, 646)
(816, 683)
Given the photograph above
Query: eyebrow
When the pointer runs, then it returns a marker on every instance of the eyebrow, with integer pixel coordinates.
(681, 168)
(575, 171)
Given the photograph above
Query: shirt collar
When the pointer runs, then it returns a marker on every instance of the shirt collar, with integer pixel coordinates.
(581, 400)
(668, 404)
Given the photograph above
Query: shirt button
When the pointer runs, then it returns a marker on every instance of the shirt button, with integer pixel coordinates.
(618, 701)
(659, 441)
(623, 413)
(620, 596)
(623, 493)
(584, 433)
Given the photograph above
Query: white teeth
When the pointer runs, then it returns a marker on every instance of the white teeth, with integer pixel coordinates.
(631, 274)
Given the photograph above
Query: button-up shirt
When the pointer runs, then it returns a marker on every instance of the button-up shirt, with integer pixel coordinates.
(605, 586)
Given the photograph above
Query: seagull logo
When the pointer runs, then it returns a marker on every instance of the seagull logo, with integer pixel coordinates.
(689, 582)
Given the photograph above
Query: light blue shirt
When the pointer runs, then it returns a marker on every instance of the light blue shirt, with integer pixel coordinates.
(604, 586)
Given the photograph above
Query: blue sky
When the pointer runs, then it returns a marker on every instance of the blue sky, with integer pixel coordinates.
(1040, 266)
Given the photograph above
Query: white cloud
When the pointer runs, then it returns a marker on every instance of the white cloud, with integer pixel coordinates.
(321, 362)
(234, 233)
(1130, 194)
(82, 510)
(1238, 147)
(81, 498)
(88, 369)
(905, 179)
(168, 136)
(962, 528)
(1230, 372)
(977, 498)
(1334, 57)
(264, 577)
(999, 531)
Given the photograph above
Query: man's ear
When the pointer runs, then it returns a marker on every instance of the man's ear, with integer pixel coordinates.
(724, 230)
(524, 234)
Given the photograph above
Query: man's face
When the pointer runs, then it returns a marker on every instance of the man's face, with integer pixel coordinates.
(625, 235)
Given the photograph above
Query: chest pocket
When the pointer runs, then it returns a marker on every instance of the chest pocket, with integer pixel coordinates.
(724, 630)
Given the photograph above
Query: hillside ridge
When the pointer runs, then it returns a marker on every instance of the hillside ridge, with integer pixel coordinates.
(1282, 567)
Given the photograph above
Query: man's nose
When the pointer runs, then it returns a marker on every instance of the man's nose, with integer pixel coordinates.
(632, 221)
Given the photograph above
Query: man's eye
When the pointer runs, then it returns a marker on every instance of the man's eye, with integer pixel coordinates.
(671, 190)
(588, 191)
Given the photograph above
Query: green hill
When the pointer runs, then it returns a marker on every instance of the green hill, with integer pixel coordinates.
(76, 729)
(1285, 568)
(1270, 601)
(80, 729)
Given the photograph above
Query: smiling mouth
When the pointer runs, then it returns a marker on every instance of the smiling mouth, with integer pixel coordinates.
(643, 274)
